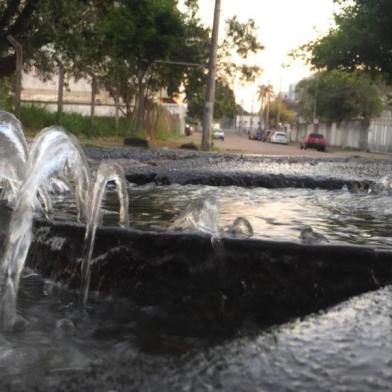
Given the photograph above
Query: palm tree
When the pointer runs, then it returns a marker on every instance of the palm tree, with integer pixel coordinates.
(264, 94)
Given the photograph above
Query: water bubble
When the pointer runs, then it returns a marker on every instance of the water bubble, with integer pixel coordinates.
(310, 237)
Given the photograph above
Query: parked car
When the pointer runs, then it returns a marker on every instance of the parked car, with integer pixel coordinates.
(279, 138)
(314, 140)
(218, 133)
(255, 135)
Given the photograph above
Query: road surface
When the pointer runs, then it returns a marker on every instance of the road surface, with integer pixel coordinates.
(237, 143)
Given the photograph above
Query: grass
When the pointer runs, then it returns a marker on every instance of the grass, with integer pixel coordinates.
(35, 118)
(101, 132)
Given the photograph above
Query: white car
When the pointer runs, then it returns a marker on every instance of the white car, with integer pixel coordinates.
(280, 138)
(217, 133)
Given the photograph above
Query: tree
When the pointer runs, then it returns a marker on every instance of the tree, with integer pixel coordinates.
(264, 94)
(361, 40)
(43, 27)
(16, 19)
(225, 105)
(240, 41)
(334, 96)
(279, 110)
(141, 33)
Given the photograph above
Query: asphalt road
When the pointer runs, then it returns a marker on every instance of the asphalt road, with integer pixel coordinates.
(236, 143)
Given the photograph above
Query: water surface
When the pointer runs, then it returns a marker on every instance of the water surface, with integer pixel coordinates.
(277, 214)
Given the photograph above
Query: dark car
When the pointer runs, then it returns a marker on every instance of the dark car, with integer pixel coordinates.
(314, 140)
(252, 135)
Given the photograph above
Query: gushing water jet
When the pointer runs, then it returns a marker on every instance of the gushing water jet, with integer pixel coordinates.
(107, 171)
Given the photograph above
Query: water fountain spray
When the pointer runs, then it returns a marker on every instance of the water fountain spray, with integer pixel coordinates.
(107, 171)
(52, 150)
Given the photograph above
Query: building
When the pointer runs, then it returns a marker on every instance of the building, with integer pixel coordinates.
(77, 96)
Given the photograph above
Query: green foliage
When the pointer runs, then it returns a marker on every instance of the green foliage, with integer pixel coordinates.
(125, 45)
(225, 105)
(6, 97)
(338, 96)
(240, 39)
(361, 40)
(285, 115)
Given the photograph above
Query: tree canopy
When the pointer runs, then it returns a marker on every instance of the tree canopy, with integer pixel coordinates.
(337, 96)
(132, 47)
(361, 39)
(278, 108)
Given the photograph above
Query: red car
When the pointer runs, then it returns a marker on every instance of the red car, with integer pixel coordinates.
(314, 140)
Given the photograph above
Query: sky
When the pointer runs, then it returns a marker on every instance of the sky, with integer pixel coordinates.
(284, 25)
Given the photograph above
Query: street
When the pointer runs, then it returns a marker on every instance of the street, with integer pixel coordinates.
(239, 143)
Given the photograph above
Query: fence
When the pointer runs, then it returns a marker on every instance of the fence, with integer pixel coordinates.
(347, 134)
(373, 136)
(380, 135)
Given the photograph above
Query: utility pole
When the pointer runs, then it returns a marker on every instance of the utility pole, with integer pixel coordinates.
(315, 119)
(92, 103)
(279, 105)
(18, 82)
(267, 109)
(209, 105)
(60, 92)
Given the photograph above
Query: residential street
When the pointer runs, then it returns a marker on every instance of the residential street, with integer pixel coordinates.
(237, 143)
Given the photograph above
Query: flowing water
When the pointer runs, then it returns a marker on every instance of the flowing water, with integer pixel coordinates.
(52, 150)
(107, 171)
(277, 214)
(14, 155)
(116, 345)
(112, 344)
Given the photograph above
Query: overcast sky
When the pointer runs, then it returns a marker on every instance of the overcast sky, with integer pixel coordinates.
(283, 25)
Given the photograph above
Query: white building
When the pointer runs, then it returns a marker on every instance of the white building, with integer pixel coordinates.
(77, 96)
(248, 122)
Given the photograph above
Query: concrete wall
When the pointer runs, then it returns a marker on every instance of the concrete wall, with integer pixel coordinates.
(347, 134)
(77, 97)
(380, 133)
(248, 122)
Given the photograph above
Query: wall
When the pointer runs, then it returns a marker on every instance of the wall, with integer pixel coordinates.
(77, 97)
(248, 122)
(380, 133)
(348, 134)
